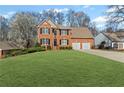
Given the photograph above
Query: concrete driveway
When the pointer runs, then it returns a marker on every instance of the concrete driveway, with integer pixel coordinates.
(117, 56)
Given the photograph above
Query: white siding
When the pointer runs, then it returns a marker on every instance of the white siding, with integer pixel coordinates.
(100, 38)
(123, 45)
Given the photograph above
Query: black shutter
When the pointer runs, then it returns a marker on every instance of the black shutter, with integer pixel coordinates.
(60, 32)
(41, 41)
(67, 42)
(49, 41)
(67, 32)
(2, 52)
(60, 42)
(40, 30)
(49, 30)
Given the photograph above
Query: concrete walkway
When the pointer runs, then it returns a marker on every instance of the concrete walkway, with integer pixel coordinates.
(117, 56)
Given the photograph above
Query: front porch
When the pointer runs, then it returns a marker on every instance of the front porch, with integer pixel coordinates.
(118, 45)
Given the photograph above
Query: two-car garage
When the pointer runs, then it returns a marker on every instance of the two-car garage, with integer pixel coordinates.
(82, 38)
(78, 46)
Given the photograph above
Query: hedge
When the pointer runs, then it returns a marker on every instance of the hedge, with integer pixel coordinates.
(15, 52)
(67, 48)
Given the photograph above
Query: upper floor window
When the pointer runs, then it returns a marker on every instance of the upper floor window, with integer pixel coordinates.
(64, 32)
(54, 32)
(44, 31)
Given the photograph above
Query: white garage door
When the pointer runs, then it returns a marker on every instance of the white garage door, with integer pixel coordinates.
(85, 45)
(76, 46)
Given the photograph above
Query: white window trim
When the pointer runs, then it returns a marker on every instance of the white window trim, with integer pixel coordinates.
(46, 40)
(63, 32)
(44, 30)
(120, 43)
(64, 42)
(123, 45)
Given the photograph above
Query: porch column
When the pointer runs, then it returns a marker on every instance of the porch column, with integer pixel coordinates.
(112, 45)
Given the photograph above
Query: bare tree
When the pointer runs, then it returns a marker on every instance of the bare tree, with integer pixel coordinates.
(49, 14)
(70, 17)
(22, 29)
(93, 29)
(77, 19)
(82, 19)
(3, 28)
(60, 18)
(57, 17)
(116, 16)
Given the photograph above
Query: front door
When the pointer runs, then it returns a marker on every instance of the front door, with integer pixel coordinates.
(55, 42)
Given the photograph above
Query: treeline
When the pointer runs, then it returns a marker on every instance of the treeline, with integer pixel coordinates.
(21, 27)
(115, 15)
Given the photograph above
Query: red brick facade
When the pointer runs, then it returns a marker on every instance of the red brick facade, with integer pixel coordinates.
(83, 40)
(53, 27)
(51, 35)
(1, 53)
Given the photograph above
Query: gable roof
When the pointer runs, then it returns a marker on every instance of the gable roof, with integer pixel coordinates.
(53, 24)
(119, 33)
(50, 22)
(4, 45)
(82, 32)
(63, 27)
(114, 36)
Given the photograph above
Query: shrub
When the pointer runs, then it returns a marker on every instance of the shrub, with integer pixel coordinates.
(49, 47)
(12, 52)
(67, 48)
(61, 48)
(70, 47)
(37, 45)
(102, 45)
(109, 47)
(15, 52)
(43, 47)
(31, 50)
(38, 49)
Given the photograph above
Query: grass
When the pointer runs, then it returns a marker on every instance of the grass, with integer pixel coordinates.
(60, 68)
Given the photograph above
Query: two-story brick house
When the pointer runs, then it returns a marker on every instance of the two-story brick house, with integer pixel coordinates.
(57, 36)
(53, 35)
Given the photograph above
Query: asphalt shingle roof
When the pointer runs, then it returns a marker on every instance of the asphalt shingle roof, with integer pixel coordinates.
(82, 32)
(4, 45)
(78, 32)
(115, 36)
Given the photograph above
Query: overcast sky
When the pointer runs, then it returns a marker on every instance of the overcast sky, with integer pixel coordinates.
(95, 12)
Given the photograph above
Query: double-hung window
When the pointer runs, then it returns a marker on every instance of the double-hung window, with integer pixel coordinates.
(45, 31)
(64, 42)
(64, 32)
(45, 41)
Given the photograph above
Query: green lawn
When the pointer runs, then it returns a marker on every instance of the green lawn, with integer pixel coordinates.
(60, 68)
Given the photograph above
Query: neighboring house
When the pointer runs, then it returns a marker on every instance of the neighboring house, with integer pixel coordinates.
(6, 46)
(113, 40)
(57, 36)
